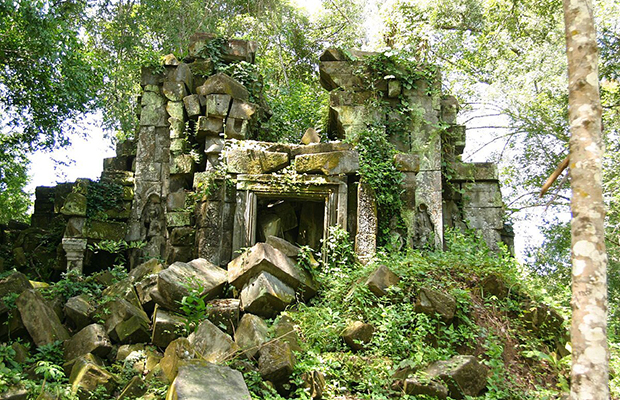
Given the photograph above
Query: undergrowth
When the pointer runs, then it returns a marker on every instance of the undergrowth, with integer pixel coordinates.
(485, 326)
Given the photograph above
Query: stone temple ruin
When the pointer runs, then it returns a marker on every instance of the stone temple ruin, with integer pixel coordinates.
(195, 184)
(194, 192)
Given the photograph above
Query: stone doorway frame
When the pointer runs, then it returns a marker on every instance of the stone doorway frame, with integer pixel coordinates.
(332, 191)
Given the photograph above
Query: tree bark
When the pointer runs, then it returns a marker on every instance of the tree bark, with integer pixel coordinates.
(590, 356)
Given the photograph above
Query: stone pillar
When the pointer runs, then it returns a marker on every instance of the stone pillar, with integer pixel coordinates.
(148, 214)
(75, 253)
(367, 224)
(426, 143)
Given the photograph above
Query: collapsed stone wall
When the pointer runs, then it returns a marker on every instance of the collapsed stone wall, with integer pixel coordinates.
(196, 185)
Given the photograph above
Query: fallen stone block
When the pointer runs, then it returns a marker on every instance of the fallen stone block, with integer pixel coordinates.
(314, 383)
(263, 257)
(87, 376)
(380, 280)
(332, 163)
(358, 334)
(251, 334)
(211, 344)
(178, 350)
(15, 283)
(92, 339)
(433, 302)
(182, 73)
(125, 322)
(144, 290)
(166, 327)
(276, 361)
(310, 136)
(286, 247)
(414, 386)
(224, 313)
(39, 318)
(150, 267)
(463, 375)
(266, 295)
(314, 148)
(180, 278)
(77, 311)
(284, 329)
(136, 387)
(123, 289)
(205, 381)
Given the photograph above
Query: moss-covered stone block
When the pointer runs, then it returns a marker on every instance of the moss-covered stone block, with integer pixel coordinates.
(105, 230)
(75, 205)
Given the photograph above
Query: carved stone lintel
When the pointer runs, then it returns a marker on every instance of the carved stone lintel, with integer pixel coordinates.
(75, 253)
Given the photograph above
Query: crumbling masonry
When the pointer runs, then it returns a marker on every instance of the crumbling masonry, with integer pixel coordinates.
(195, 184)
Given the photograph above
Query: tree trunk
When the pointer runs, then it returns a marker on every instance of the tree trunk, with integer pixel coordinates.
(589, 373)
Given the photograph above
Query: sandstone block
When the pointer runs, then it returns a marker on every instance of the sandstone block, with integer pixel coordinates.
(205, 381)
(136, 387)
(276, 361)
(123, 289)
(217, 105)
(358, 334)
(223, 84)
(39, 318)
(211, 344)
(15, 283)
(249, 161)
(166, 327)
(178, 218)
(380, 280)
(75, 205)
(193, 106)
(263, 257)
(289, 249)
(178, 351)
(92, 339)
(406, 162)
(237, 128)
(182, 164)
(174, 282)
(332, 163)
(463, 375)
(414, 386)
(242, 110)
(433, 302)
(251, 334)
(266, 295)
(78, 310)
(105, 230)
(152, 266)
(174, 91)
(310, 136)
(125, 322)
(176, 110)
(182, 73)
(183, 236)
(209, 126)
(86, 376)
(284, 329)
(224, 313)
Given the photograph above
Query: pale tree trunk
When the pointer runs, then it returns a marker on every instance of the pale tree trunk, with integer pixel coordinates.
(589, 373)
